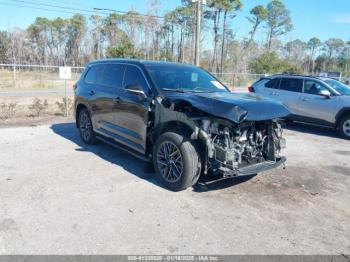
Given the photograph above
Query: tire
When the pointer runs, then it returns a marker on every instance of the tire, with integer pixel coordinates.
(344, 127)
(176, 161)
(86, 131)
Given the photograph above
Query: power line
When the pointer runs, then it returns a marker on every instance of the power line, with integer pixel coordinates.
(135, 13)
(53, 10)
(71, 3)
(85, 10)
(37, 8)
(54, 6)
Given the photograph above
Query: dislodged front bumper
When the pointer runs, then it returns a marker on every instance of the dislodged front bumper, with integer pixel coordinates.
(253, 169)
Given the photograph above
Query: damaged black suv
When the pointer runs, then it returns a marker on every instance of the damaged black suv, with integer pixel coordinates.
(179, 117)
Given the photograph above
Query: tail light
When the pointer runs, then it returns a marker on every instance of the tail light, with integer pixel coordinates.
(251, 89)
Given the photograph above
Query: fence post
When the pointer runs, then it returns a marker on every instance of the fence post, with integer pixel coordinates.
(65, 95)
(14, 75)
(233, 81)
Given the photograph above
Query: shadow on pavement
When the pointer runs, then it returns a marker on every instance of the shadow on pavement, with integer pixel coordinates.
(311, 129)
(136, 166)
(106, 152)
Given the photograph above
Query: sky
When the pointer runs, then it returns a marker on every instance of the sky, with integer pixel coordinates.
(323, 18)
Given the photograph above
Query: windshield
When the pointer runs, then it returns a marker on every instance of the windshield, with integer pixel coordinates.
(339, 86)
(184, 79)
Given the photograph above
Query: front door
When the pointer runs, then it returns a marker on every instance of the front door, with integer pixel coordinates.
(131, 117)
(316, 106)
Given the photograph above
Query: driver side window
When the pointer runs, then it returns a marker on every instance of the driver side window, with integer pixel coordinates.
(133, 76)
(312, 87)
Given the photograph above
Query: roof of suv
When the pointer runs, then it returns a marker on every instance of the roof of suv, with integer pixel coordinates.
(296, 76)
(138, 62)
(322, 78)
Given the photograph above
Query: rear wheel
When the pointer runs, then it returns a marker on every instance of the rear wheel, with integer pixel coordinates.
(176, 161)
(344, 127)
(86, 131)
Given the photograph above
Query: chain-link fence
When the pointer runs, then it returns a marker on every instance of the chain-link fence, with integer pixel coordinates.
(238, 80)
(47, 77)
(33, 76)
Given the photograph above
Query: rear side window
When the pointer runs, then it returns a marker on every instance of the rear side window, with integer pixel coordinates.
(92, 74)
(111, 77)
(292, 84)
(274, 83)
(133, 76)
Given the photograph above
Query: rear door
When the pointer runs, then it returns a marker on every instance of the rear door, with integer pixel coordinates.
(290, 92)
(108, 83)
(89, 90)
(314, 105)
(270, 89)
(132, 111)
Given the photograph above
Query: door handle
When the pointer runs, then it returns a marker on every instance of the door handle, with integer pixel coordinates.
(91, 93)
(305, 99)
(274, 94)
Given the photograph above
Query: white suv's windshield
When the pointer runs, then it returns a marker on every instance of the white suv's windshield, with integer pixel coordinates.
(339, 86)
(184, 79)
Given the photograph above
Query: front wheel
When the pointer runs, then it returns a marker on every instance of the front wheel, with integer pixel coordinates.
(344, 127)
(176, 161)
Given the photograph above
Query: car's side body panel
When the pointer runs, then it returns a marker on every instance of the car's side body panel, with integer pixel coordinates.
(116, 114)
(306, 107)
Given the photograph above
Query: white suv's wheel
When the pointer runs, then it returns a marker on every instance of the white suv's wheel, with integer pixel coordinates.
(344, 127)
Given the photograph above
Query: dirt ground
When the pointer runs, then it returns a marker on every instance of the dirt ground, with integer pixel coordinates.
(34, 121)
(59, 196)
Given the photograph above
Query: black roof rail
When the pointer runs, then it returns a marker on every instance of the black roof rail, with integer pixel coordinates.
(297, 75)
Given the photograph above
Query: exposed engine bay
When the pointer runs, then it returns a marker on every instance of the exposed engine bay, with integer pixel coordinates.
(235, 146)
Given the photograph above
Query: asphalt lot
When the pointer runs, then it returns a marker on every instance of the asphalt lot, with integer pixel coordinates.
(59, 196)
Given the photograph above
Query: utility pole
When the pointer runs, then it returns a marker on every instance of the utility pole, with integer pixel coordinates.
(198, 32)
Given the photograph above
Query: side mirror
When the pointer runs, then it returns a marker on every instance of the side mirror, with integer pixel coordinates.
(325, 93)
(135, 90)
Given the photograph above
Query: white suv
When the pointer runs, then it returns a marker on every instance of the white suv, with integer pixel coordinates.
(316, 100)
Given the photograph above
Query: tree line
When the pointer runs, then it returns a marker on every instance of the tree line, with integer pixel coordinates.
(79, 39)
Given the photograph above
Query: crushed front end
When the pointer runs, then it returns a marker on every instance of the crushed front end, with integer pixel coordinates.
(236, 134)
(245, 148)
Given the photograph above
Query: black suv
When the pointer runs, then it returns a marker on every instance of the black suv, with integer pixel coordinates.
(180, 117)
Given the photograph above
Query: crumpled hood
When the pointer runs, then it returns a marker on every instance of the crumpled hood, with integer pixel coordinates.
(233, 106)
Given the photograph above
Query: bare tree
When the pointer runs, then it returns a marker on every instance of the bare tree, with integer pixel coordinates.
(278, 20)
(333, 47)
(230, 7)
(313, 45)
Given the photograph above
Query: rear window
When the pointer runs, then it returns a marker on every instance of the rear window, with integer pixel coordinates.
(92, 73)
(292, 84)
(274, 83)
